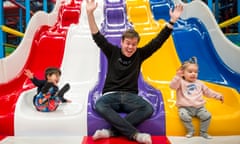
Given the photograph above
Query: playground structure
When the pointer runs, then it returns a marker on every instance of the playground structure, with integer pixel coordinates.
(62, 39)
(18, 13)
(15, 15)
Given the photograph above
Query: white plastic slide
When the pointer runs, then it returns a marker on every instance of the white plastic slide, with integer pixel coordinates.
(80, 68)
(13, 64)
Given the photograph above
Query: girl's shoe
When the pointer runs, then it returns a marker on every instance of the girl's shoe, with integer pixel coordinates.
(205, 135)
(189, 134)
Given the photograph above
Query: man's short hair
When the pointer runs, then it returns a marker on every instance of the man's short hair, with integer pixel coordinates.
(130, 33)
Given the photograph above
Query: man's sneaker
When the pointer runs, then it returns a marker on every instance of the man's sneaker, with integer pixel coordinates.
(189, 134)
(143, 138)
(205, 135)
(103, 133)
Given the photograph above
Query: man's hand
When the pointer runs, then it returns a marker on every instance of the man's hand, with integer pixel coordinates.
(175, 13)
(91, 6)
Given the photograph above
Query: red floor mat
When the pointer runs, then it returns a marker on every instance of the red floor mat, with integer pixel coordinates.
(123, 140)
(2, 137)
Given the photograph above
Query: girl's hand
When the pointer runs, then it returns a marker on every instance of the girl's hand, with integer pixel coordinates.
(221, 99)
(179, 72)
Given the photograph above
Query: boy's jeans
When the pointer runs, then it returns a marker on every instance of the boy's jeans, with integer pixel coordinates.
(136, 108)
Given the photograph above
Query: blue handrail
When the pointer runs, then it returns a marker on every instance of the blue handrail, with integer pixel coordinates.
(27, 6)
(2, 52)
(238, 11)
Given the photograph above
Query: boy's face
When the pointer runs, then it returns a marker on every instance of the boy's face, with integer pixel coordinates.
(54, 78)
(129, 46)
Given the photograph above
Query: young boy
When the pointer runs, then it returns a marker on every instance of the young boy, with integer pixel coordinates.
(48, 95)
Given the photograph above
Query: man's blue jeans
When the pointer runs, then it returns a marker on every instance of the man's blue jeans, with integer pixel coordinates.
(136, 108)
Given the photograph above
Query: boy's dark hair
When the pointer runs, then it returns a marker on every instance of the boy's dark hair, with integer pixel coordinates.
(130, 33)
(52, 70)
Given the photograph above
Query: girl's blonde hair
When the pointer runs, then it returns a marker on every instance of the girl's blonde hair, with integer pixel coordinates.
(192, 60)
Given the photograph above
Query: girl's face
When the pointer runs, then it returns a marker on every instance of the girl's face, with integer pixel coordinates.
(190, 73)
(54, 78)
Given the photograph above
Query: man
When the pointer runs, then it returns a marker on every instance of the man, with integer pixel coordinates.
(120, 92)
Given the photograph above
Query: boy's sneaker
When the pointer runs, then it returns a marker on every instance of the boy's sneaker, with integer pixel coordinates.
(62, 91)
(189, 134)
(205, 135)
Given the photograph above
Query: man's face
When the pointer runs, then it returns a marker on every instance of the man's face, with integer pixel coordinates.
(129, 46)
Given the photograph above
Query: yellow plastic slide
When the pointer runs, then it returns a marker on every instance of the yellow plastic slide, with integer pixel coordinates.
(160, 68)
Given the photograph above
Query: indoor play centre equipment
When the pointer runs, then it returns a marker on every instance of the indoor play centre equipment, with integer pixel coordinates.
(62, 39)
